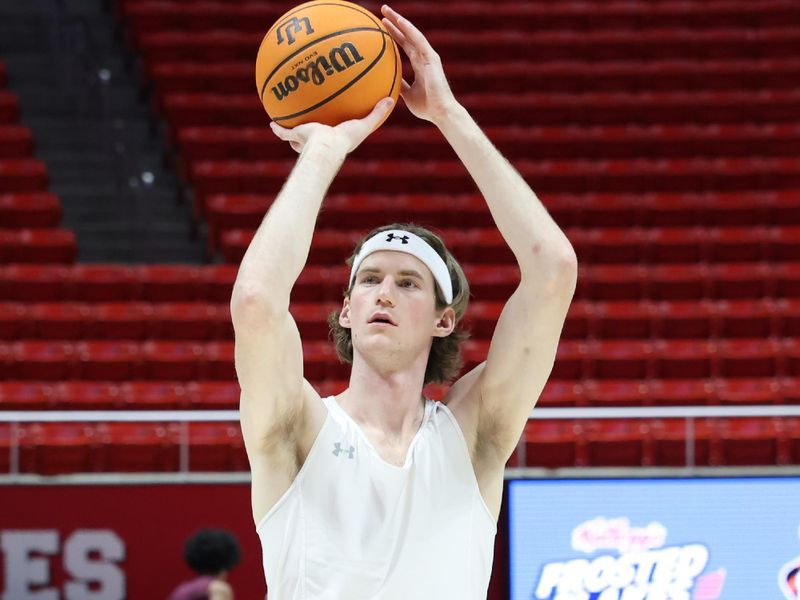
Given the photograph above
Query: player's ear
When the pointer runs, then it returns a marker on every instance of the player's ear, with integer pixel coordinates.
(445, 323)
(344, 314)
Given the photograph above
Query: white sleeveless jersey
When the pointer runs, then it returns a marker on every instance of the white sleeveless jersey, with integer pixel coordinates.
(353, 527)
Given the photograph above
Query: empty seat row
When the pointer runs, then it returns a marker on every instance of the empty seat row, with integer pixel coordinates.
(148, 15)
(516, 76)
(661, 442)
(598, 359)
(530, 109)
(205, 321)
(658, 209)
(16, 141)
(613, 142)
(22, 174)
(183, 283)
(595, 45)
(609, 245)
(557, 176)
(38, 246)
(36, 210)
(224, 395)
(51, 448)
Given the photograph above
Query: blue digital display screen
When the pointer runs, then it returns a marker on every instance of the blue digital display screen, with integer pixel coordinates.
(654, 539)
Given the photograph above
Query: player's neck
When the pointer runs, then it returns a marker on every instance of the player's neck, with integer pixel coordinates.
(389, 402)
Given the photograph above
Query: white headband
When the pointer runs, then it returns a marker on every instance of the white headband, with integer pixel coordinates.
(405, 241)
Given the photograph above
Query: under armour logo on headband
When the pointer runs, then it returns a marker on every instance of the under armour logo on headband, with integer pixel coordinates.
(403, 238)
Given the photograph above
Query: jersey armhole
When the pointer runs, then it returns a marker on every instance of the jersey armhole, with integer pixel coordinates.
(296, 481)
(468, 458)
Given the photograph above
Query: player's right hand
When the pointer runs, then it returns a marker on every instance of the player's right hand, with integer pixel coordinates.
(347, 135)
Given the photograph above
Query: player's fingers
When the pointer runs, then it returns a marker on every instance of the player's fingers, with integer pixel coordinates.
(281, 132)
(404, 87)
(396, 34)
(413, 36)
(379, 112)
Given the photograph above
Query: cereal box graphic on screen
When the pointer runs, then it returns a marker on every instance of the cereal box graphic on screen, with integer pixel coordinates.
(628, 563)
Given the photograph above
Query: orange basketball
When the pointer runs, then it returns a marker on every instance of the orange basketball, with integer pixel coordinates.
(326, 61)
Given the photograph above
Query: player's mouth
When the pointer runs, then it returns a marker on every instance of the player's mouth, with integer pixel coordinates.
(382, 318)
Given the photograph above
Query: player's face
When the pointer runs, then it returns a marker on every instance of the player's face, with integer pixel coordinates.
(393, 300)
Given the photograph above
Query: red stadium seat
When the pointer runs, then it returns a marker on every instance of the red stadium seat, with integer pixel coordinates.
(615, 282)
(217, 282)
(748, 391)
(56, 448)
(43, 361)
(561, 393)
(170, 283)
(749, 441)
(681, 392)
(737, 244)
(786, 280)
(136, 447)
(683, 359)
(683, 319)
(739, 281)
(551, 443)
(623, 320)
(187, 321)
(787, 317)
(577, 325)
(617, 392)
(87, 395)
(219, 395)
(490, 282)
(103, 283)
(13, 316)
(746, 318)
(167, 360)
(9, 107)
(16, 141)
(38, 210)
(118, 321)
(785, 244)
(218, 361)
(30, 283)
(620, 359)
(678, 282)
(109, 361)
(792, 427)
(27, 395)
(749, 358)
(58, 320)
(214, 447)
(37, 245)
(616, 442)
(23, 175)
(312, 319)
(682, 245)
(669, 442)
(155, 395)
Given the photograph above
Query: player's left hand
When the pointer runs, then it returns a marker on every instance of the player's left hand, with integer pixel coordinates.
(429, 97)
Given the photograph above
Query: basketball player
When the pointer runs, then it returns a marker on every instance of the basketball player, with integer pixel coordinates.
(379, 493)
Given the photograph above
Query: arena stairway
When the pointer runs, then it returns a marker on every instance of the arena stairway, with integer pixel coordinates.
(663, 136)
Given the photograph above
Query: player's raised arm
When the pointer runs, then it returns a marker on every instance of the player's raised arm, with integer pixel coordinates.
(524, 344)
(269, 357)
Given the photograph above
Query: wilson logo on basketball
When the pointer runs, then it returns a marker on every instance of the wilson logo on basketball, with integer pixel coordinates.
(339, 59)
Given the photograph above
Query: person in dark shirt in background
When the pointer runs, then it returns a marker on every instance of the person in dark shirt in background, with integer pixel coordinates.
(211, 553)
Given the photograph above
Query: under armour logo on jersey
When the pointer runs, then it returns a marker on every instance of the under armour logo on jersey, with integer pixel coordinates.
(392, 237)
(337, 450)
